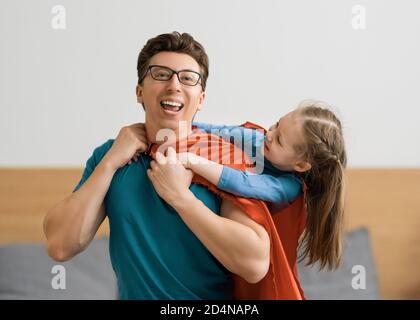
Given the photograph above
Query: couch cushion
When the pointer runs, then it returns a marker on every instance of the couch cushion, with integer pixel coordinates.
(337, 285)
(26, 273)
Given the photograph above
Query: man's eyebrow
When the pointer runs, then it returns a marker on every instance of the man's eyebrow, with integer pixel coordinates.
(188, 69)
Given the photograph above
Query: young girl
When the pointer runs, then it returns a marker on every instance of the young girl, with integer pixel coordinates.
(305, 145)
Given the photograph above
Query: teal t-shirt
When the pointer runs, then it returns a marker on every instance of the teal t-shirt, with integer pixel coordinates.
(153, 252)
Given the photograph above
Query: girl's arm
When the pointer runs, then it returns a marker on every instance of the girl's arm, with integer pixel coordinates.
(209, 170)
(248, 140)
(281, 189)
(208, 127)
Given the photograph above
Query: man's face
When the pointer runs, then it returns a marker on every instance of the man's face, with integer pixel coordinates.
(156, 95)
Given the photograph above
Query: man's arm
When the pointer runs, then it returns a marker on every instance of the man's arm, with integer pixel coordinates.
(71, 224)
(239, 243)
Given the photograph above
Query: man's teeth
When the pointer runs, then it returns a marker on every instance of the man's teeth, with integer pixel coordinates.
(172, 103)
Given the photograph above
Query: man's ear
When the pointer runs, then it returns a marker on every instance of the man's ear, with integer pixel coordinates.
(302, 166)
(201, 100)
(139, 93)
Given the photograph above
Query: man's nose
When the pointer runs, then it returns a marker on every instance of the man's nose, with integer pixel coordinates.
(173, 83)
(268, 136)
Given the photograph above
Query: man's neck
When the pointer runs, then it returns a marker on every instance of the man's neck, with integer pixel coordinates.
(160, 135)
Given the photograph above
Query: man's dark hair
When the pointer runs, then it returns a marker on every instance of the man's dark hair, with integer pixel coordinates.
(174, 42)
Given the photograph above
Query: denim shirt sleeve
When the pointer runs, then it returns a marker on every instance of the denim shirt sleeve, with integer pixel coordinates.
(248, 140)
(281, 189)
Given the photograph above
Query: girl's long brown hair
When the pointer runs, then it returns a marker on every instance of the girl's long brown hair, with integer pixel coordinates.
(323, 147)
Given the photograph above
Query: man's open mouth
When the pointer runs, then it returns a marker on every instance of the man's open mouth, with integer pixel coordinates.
(171, 106)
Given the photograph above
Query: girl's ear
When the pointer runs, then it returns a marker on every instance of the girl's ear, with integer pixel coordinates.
(139, 94)
(302, 166)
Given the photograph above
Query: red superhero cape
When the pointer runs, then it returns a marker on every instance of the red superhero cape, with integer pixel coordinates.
(284, 227)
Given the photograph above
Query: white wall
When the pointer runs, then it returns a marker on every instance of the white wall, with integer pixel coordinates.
(64, 92)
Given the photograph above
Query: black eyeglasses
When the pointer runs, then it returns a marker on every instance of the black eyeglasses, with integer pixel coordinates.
(161, 73)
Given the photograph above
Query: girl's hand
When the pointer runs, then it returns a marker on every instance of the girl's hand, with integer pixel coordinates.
(183, 159)
(169, 177)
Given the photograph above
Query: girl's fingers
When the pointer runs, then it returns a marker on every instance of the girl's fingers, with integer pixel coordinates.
(160, 158)
(171, 156)
(153, 164)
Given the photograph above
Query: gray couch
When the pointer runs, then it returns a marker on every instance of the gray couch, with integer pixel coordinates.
(26, 273)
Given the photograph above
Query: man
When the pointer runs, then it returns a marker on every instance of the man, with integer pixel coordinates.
(168, 239)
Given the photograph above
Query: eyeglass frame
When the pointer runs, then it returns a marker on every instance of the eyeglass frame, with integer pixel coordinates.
(200, 77)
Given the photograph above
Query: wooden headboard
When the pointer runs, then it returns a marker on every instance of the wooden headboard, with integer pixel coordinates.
(386, 201)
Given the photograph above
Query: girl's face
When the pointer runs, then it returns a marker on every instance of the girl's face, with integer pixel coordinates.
(280, 139)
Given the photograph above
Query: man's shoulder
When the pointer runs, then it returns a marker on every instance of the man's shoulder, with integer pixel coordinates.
(106, 145)
(100, 151)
